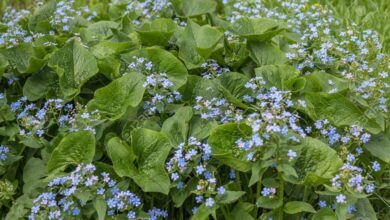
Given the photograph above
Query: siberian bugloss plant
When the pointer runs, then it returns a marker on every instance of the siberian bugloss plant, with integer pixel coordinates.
(191, 109)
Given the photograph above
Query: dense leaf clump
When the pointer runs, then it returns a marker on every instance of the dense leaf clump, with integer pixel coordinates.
(191, 109)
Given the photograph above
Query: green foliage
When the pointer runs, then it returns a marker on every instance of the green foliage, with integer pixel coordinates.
(194, 109)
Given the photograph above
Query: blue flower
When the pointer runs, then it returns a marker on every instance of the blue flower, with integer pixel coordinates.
(209, 202)
(376, 166)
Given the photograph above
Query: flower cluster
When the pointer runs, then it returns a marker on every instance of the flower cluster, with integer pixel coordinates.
(271, 117)
(147, 9)
(217, 109)
(14, 33)
(62, 201)
(192, 159)
(211, 69)
(64, 17)
(3, 153)
(35, 120)
(351, 178)
(268, 192)
(351, 135)
(158, 86)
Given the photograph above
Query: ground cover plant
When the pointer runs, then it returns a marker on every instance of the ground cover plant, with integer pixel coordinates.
(192, 109)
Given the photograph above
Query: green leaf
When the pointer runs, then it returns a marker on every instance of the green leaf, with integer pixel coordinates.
(180, 195)
(40, 21)
(297, 207)
(277, 75)
(317, 162)
(319, 82)
(258, 170)
(339, 111)
(38, 85)
(75, 148)
(199, 86)
(163, 62)
(190, 8)
(229, 197)
(242, 211)
(121, 156)
(364, 210)
(152, 149)
(379, 146)
(114, 99)
(325, 214)
(25, 58)
(223, 145)
(74, 65)
(176, 127)
(270, 203)
(105, 49)
(102, 29)
(201, 129)
(101, 207)
(258, 29)
(196, 43)
(203, 212)
(266, 53)
(3, 65)
(156, 32)
(33, 171)
(234, 83)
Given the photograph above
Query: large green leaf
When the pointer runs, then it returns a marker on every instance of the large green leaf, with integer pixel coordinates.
(223, 145)
(203, 212)
(364, 210)
(229, 197)
(3, 65)
(339, 110)
(105, 49)
(294, 207)
(157, 32)
(200, 128)
(234, 83)
(163, 62)
(40, 21)
(259, 29)
(25, 58)
(100, 30)
(189, 8)
(277, 76)
(196, 43)
(180, 195)
(33, 171)
(38, 85)
(114, 99)
(151, 149)
(176, 127)
(75, 148)
(317, 162)
(266, 53)
(325, 214)
(199, 86)
(121, 155)
(242, 211)
(379, 146)
(74, 65)
(319, 82)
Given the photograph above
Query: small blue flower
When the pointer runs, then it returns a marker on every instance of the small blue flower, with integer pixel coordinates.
(209, 202)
